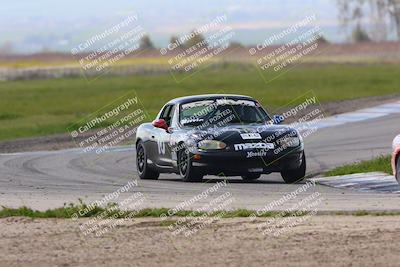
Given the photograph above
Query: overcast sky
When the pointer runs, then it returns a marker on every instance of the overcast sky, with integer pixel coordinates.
(31, 25)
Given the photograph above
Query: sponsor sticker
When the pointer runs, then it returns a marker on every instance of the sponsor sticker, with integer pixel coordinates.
(250, 136)
(252, 154)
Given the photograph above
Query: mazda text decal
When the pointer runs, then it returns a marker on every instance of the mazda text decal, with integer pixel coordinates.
(247, 146)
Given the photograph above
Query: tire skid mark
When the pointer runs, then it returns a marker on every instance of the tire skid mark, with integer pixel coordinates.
(90, 166)
(30, 166)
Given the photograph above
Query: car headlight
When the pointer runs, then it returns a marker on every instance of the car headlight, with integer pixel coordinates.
(289, 142)
(211, 144)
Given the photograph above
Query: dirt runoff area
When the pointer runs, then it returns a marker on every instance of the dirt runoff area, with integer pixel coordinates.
(318, 241)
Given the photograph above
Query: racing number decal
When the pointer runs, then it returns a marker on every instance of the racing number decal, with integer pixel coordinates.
(161, 147)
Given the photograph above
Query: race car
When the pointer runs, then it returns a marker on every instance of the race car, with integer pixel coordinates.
(224, 135)
(396, 158)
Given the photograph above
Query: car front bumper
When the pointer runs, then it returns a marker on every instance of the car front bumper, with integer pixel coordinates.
(237, 163)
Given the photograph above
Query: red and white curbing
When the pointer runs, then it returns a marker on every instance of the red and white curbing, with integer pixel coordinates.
(366, 182)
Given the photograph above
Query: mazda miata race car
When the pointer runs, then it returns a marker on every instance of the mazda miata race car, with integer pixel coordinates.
(226, 135)
(396, 158)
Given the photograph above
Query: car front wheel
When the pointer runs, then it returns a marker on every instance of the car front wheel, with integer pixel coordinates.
(296, 175)
(143, 169)
(187, 171)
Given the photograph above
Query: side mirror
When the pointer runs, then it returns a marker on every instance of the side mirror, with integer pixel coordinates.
(278, 119)
(160, 123)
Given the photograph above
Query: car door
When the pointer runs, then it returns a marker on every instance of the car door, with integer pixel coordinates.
(163, 138)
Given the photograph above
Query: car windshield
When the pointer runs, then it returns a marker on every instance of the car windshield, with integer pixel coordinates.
(221, 112)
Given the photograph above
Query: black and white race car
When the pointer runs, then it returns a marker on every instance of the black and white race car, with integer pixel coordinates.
(227, 135)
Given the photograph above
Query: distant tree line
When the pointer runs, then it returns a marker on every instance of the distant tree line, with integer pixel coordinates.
(370, 20)
(146, 43)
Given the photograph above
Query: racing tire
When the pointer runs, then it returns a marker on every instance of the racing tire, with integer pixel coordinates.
(398, 169)
(143, 169)
(187, 171)
(296, 175)
(251, 176)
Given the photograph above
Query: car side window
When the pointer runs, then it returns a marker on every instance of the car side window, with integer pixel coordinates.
(167, 114)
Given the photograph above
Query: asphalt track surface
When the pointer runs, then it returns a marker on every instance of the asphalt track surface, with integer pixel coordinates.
(49, 179)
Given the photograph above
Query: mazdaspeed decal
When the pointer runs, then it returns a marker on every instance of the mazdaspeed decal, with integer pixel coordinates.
(261, 153)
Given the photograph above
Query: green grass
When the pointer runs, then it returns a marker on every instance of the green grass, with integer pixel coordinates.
(67, 211)
(43, 107)
(380, 164)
